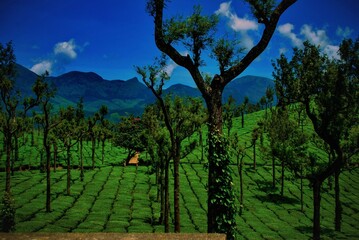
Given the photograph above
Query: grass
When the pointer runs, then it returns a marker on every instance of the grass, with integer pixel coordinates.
(113, 198)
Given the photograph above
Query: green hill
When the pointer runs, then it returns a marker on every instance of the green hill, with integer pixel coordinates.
(124, 97)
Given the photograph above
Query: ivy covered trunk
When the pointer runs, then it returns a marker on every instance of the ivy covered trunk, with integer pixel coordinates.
(221, 200)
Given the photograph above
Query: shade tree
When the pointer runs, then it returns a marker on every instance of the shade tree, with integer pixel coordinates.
(45, 118)
(328, 90)
(196, 34)
(128, 134)
(158, 146)
(12, 122)
(178, 117)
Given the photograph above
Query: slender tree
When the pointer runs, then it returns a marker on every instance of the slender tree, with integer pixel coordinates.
(11, 120)
(178, 118)
(243, 109)
(46, 91)
(228, 114)
(69, 132)
(80, 120)
(160, 152)
(196, 34)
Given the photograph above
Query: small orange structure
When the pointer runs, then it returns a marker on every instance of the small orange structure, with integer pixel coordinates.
(134, 159)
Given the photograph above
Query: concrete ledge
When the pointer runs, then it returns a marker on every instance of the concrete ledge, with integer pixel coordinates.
(119, 236)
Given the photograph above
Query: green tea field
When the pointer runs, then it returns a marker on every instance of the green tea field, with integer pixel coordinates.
(114, 198)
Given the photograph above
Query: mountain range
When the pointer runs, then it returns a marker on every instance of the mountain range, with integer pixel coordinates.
(123, 97)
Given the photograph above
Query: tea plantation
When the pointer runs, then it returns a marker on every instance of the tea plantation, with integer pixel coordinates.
(115, 198)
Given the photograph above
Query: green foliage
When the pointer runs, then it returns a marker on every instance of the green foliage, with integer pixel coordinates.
(262, 9)
(196, 34)
(129, 134)
(8, 213)
(287, 142)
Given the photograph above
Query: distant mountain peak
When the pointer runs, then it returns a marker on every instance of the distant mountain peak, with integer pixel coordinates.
(77, 75)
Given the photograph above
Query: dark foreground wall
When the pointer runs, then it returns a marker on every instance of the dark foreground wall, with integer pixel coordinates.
(103, 236)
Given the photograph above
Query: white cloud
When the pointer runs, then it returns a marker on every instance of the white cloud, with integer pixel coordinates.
(235, 22)
(287, 31)
(42, 67)
(344, 32)
(283, 50)
(224, 9)
(63, 53)
(246, 41)
(242, 24)
(332, 51)
(170, 68)
(66, 48)
(314, 36)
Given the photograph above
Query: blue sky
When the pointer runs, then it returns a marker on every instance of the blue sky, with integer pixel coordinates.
(109, 37)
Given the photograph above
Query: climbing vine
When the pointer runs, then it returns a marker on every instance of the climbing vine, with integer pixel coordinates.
(223, 197)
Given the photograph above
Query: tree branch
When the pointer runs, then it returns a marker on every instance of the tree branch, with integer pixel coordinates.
(268, 32)
(167, 48)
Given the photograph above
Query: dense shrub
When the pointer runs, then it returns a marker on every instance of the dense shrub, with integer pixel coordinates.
(8, 213)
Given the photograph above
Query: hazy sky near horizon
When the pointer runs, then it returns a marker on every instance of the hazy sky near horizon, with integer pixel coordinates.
(110, 37)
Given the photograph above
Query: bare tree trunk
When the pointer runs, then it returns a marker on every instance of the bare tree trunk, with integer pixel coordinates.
(48, 177)
(242, 114)
(93, 141)
(316, 213)
(273, 172)
(301, 190)
(161, 192)
(176, 162)
(254, 155)
(103, 150)
(68, 170)
(167, 195)
(16, 154)
(55, 156)
(282, 180)
(240, 172)
(338, 204)
(81, 161)
(8, 163)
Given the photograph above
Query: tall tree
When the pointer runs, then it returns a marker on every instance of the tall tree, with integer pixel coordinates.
(80, 120)
(46, 91)
(328, 89)
(196, 34)
(159, 148)
(10, 116)
(104, 130)
(243, 109)
(69, 132)
(9, 103)
(13, 117)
